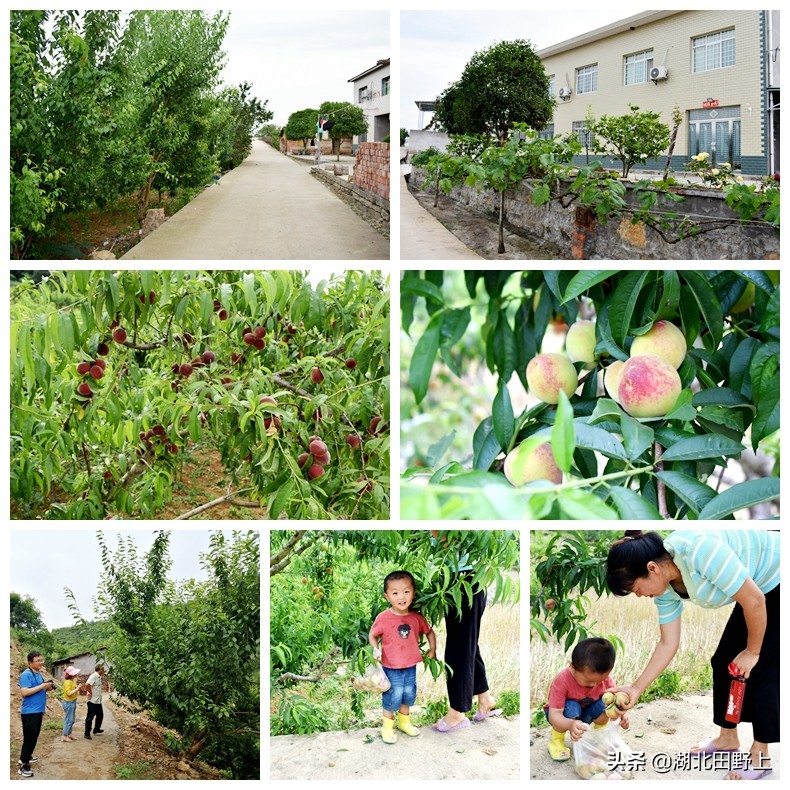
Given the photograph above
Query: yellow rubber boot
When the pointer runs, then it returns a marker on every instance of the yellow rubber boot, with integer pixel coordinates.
(388, 734)
(403, 723)
(557, 749)
(600, 726)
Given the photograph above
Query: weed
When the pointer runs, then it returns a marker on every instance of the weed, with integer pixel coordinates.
(139, 770)
(510, 702)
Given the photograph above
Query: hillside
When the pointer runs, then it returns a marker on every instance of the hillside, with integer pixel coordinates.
(131, 747)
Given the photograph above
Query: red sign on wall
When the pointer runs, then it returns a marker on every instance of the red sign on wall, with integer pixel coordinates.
(709, 103)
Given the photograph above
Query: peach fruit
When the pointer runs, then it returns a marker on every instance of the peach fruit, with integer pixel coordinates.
(664, 340)
(531, 461)
(649, 386)
(547, 374)
(611, 378)
(580, 343)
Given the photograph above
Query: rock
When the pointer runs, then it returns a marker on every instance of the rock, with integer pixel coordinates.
(101, 255)
(340, 170)
(184, 768)
(153, 219)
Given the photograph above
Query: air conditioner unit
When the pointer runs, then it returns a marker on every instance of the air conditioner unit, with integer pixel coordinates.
(658, 73)
(564, 93)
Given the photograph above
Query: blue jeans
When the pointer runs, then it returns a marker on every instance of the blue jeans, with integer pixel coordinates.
(403, 688)
(586, 710)
(70, 711)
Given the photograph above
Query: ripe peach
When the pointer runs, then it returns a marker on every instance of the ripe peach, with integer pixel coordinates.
(664, 340)
(547, 374)
(316, 376)
(315, 471)
(649, 386)
(119, 335)
(529, 462)
(580, 343)
(611, 378)
(83, 368)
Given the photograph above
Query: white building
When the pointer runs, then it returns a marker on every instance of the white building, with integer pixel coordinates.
(372, 94)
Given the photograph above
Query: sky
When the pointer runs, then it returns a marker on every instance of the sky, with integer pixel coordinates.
(43, 562)
(301, 58)
(436, 45)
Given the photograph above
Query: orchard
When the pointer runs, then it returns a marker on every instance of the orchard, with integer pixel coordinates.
(610, 394)
(118, 377)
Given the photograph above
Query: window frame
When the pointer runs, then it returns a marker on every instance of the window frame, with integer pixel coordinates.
(589, 72)
(648, 65)
(704, 48)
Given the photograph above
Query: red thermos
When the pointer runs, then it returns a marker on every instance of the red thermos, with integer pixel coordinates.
(737, 689)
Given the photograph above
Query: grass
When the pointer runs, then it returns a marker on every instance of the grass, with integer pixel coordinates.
(499, 646)
(634, 620)
(137, 770)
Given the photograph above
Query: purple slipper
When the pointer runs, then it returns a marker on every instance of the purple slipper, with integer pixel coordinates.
(751, 773)
(492, 712)
(709, 747)
(441, 726)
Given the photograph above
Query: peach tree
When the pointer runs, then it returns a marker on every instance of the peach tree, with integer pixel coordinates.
(117, 376)
(664, 378)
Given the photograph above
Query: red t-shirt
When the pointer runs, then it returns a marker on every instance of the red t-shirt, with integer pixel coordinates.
(565, 687)
(400, 638)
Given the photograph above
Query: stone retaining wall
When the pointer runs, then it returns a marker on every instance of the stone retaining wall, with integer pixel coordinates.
(370, 200)
(372, 169)
(579, 232)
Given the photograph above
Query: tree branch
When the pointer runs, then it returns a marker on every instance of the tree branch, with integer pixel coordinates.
(316, 673)
(209, 505)
(287, 548)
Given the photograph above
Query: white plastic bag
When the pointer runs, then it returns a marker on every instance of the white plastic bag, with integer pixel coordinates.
(374, 680)
(594, 751)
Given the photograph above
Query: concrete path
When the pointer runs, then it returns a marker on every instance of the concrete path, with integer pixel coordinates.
(268, 208)
(424, 238)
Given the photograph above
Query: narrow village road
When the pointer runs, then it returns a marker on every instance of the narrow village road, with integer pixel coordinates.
(268, 208)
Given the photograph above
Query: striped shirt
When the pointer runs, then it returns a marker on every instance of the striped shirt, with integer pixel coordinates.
(715, 564)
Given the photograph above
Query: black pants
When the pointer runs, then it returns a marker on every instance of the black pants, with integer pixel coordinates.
(31, 727)
(761, 696)
(94, 710)
(462, 654)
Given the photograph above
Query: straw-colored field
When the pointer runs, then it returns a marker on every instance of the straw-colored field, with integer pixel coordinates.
(634, 620)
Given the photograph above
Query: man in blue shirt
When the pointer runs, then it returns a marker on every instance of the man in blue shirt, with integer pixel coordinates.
(34, 703)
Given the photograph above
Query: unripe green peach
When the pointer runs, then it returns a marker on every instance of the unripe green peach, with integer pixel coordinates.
(530, 461)
(580, 343)
(547, 374)
(664, 340)
(649, 386)
(611, 379)
(746, 299)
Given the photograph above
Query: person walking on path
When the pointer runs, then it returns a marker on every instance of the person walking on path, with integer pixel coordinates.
(34, 703)
(95, 710)
(69, 702)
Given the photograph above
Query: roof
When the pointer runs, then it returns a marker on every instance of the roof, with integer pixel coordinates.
(79, 655)
(427, 106)
(612, 29)
(380, 64)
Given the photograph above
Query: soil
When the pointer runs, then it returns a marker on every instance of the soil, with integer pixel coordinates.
(662, 727)
(480, 232)
(131, 746)
(485, 750)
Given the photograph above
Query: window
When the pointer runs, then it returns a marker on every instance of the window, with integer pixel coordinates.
(547, 132)
(637, 67)
(582, 133)
(552, 87)
(587, 79)
(714, 51)
(364, 95)
(385, 86)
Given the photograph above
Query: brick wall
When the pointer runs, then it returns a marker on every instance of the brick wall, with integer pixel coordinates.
(372, 168)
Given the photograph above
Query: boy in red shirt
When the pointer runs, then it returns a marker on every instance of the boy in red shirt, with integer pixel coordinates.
(399, 630)
(575, 694)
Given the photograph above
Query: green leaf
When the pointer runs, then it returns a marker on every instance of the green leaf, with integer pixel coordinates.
(720, 396)
(281, 499)
(695, 494)
(636, 437)
(248, 286)
(708, 303)
(632, 506)
(563, 436)
(485, 445)
(606, 410)
(424, 355)
(766, 421)
(504, 348)
(583, 506)
(437, 450)
(740, 497)
(583, 281)
(423, 288)
(592, 438)
(623, 304)
(670, 298)
(503, 415)
(683, 410)
(698, 447)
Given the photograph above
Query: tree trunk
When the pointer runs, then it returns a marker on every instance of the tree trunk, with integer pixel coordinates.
(671, 149)
(501, 248)
(198, 744)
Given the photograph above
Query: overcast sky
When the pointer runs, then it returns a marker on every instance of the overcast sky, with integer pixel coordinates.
(43, 562)
(436, 45)
(303, 57)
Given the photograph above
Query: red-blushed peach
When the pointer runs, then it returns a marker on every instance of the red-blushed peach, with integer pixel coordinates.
(531, 460)
(547, 374)
(649, 386)
(664, 340)
(611, 378)
(580, 343)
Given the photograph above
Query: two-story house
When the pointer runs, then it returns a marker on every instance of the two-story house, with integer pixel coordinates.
(372, 94)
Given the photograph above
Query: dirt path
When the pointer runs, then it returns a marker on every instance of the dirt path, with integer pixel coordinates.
(268, 208)
(663, 727)
(486, 750)
(80, 759)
